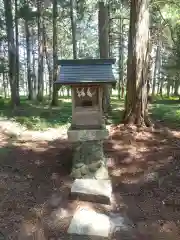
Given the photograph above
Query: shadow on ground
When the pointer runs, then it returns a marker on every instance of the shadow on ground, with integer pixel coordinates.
(116, 115)
(34, 182)
(144, 167)
(145, 171)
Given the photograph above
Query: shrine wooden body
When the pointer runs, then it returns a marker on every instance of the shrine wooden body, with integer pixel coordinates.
(87, 106)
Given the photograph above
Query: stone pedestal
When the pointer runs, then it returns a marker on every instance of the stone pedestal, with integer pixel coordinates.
(88, 157)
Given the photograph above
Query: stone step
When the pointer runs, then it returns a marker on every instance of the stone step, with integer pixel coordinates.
(92, 190)
(87, 222)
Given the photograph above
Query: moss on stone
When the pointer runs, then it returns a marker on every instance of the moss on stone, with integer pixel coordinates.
(89, 160)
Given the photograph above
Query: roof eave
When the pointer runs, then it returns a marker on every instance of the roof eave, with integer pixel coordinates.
(100, 61)
(88, 82)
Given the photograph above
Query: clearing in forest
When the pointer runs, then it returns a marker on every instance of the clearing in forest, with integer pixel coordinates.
(35, 166)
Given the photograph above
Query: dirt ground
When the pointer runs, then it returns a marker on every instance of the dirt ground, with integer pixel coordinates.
(35, 184)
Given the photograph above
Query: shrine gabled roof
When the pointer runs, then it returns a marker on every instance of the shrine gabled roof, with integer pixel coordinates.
(86, 71)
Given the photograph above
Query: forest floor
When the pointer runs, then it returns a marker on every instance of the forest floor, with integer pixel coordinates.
(35, 161)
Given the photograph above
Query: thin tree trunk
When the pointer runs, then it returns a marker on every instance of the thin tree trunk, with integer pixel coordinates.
(110, 30)
(168, 88)
(68, 91)
(176, 86)
(104, 49)
(49, 64)
(4, 86)
(28, 53)
(17, 45)
(15, 100)
(136, 111)
(40, 52)
(73, 27)
(161, 87)
(55, 66)
(121, 58)
(34, 78)
(157, 60)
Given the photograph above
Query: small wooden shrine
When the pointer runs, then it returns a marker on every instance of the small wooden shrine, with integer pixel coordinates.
(87, 78)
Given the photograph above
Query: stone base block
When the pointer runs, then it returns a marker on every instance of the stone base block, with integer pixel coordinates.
(89, 160)
(87, 134)
(92, 190)
(89, 223)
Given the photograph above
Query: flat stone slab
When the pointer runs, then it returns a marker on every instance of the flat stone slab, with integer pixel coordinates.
(89, 223)
(92, 190)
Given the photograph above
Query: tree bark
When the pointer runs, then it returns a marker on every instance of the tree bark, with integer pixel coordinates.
(73, 28)
(34, 77)
(17, 45)
(103, 20)
(156, 67)
(161, 87)
(121, 59)
(136, 111)
(49, 63)
(28, 53)
(4, 85)
(168, 88)
(15, 100)
(55, 66)
(176, 86)
(40, 52)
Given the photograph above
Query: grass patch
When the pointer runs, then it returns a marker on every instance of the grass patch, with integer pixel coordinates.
(115, 117)
(167, 111)
(39, 116)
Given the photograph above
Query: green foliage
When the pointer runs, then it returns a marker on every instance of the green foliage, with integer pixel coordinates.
(42, 117)
(39, 117)
(2, 102)
(167, 111)
(26, 13)
(116, 114)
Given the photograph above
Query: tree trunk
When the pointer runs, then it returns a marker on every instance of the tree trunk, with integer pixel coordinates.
(176, 86)
(157, 60)
(55, 66)
(4, 85)
(34, 77)
(28, 53)
(40, 52)
(73, 28)
(110, 31)
(161, 87)
(17, 45)
(104, 49)
(68, 91)
(121, 58)
(136, 111)
(168, 88)
(15, 100)
(49, 64)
